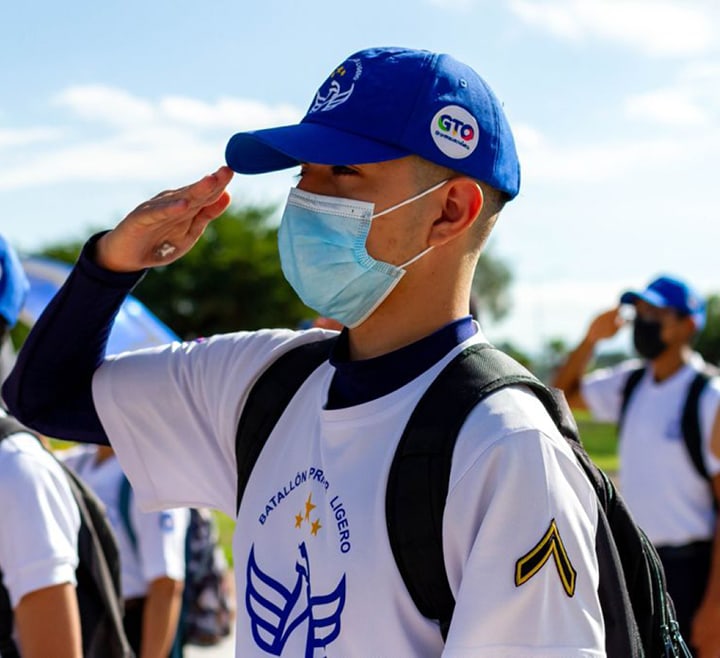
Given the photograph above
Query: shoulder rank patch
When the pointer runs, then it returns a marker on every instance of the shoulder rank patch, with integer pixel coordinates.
(550, 545)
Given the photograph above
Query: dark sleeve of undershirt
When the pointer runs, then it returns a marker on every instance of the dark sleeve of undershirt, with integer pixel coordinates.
(49, 389)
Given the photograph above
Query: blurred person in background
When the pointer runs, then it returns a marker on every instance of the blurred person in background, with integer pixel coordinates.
(670, 480)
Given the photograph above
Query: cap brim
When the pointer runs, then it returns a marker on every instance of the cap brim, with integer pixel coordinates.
(632, 297)
(272, 149)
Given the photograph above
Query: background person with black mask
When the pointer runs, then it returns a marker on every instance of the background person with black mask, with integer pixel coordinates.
(671, 493)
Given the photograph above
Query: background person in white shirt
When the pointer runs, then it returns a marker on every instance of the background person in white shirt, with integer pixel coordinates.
(152, 563)
(668, 497)
(39, 522)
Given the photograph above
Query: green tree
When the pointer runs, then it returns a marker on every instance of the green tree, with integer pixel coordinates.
(232, 280)
(491, 287)
(708, 342)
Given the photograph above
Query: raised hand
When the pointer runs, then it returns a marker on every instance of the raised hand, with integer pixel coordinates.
(166, 227)
(605, 325)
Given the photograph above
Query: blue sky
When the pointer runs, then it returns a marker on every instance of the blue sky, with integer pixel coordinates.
(615, 105)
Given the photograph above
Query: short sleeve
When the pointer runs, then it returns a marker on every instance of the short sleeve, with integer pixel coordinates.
(709, 408)
(161, 542)
(602, 390)
(40, 523)
(520, 528)
(171, 414)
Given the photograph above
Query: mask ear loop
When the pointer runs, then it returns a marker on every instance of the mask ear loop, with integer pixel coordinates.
(437, 186)
(418, 257)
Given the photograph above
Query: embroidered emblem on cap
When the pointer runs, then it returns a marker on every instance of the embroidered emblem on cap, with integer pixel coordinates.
(455, 132)
(338, 87)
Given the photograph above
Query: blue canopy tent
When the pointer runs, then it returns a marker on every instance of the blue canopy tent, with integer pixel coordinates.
(135, 325)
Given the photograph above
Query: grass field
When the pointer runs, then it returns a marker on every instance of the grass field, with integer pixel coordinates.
(600, 440)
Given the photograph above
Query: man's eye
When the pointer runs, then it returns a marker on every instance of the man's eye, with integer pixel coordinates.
(342, 170)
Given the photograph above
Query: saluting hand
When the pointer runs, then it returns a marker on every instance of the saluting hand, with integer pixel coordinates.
(166, 227)
(605, 325)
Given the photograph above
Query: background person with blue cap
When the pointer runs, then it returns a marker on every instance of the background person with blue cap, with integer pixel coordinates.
(670, 480)
(14, 287)
(406, 159)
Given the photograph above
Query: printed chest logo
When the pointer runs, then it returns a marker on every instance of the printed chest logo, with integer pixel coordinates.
(455, 132)
(281, 608)
(338, 87)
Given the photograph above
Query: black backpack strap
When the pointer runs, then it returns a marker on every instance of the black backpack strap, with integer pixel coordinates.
(690, 422)
(267, 400)
(419, 476)
(98, 576)
(630, 385)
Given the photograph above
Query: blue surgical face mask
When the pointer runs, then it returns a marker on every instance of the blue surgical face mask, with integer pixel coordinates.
(323, 255)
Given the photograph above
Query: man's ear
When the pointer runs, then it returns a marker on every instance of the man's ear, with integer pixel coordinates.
(462, 204)
(691, 328)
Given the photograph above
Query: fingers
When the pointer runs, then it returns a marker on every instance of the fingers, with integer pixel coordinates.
(209, 189)
(202, 193)
(166, 227)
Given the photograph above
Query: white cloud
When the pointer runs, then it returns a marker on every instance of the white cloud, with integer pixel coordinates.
(667, 106)
(545, 160)
(106, 104)
(13, 138)
(691, 100)
(655, 27)
(132, 138)
(233, 114)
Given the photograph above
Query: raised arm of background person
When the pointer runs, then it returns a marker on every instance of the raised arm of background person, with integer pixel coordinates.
(706, 624)
(49, 388)
(48, 623)
(160, 617)
(569, 375)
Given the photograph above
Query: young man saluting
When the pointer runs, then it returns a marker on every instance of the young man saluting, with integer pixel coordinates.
(406, 160)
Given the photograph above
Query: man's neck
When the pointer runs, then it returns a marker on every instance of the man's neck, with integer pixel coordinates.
(670, 362)
(413, 311)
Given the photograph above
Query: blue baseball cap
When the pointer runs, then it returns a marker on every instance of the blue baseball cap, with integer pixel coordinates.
(14, 284)
(669, 292)
(387, 103)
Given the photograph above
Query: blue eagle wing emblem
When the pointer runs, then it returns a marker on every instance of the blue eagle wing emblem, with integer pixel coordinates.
(271, 606)
(326, 628)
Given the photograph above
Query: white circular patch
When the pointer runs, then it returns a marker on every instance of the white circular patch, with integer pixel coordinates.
(455, 132)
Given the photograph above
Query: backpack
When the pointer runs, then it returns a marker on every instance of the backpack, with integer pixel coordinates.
(98, 575)
(690, 419)
(638, 614)
(207, 610)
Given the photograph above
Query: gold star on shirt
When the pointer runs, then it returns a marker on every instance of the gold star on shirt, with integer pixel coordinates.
(309, 507)
(315, 526)
(298, 520)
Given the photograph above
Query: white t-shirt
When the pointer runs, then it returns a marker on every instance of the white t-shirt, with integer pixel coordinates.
(40, 520)
(160, 550)
(659, 482)
(313, 561)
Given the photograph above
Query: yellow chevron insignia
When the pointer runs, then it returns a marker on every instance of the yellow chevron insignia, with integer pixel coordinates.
(550, 545)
